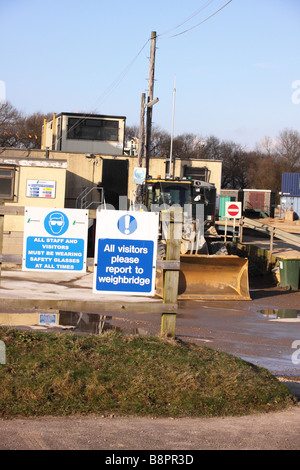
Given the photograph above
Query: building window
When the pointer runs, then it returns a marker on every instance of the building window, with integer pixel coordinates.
(7, 183)
(93, 129)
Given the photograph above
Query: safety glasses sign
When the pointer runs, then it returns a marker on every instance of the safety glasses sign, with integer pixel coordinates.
(125, 252)
(55, 239)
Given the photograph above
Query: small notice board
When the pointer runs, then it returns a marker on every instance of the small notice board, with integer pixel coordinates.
(41, 188)
(55, 239)
(125, 252)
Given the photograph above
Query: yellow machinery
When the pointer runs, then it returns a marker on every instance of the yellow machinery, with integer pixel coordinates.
(210, 277)
(206, 273)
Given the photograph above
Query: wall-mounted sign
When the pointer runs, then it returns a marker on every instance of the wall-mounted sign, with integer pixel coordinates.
(139, 175)
(48, 319)
(125, 252)
(40, 188)
(55, 239)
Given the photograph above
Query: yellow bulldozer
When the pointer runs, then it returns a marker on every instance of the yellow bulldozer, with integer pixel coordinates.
(207, 271)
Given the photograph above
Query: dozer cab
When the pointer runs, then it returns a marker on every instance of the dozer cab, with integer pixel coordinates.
(207, 271)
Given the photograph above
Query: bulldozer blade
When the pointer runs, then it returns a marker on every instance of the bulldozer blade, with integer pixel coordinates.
(204, 277)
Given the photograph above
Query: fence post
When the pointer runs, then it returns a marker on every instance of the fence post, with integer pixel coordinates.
(171, 277)
(271, 248)
(1, 240)
(241, 224)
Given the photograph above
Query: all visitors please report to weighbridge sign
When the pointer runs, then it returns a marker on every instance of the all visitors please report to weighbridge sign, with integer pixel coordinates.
(55, 239)
(125, 252)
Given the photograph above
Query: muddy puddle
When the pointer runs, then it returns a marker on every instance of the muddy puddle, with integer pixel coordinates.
(78, 322)
(58, 320)
(280, 313)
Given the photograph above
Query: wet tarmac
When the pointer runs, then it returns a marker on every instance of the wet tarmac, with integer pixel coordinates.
(281, 313)
(264, 330)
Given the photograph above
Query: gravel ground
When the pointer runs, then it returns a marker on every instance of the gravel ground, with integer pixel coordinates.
(274, 431)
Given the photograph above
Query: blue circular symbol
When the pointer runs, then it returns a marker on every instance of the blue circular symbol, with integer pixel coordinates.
(127, 224)
(139, 173)
(56, 223)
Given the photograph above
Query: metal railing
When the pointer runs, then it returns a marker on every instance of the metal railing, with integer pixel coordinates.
(277, 233)
(85, 201)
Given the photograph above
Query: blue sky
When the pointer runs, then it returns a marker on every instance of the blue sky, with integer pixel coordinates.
(234, 72)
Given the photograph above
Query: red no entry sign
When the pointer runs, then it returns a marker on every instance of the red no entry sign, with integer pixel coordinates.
(233, 210)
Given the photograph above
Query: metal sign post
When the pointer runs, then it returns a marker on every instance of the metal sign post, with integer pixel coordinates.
(233, 210)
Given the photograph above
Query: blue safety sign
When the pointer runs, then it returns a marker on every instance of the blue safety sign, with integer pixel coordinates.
(127, 224)
(139, 175)
(56, 223)
(125, 252)
(55, 239)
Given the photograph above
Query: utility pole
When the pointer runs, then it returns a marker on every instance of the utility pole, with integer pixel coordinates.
(139, 189)
(150, 98)
(141, 131)
(169, 171)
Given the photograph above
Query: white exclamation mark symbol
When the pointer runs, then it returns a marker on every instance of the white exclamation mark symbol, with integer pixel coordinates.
(127, 221)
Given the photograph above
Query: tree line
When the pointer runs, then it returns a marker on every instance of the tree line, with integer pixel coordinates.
(260, 168)
(19, 130)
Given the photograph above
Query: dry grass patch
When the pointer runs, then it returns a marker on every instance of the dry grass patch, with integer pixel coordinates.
(64, 374)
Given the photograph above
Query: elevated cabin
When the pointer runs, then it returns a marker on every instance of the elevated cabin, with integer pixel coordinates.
(84, 133)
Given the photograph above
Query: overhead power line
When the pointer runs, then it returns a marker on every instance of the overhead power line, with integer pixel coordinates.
(198, 24)
(109, 89)
(187, 19)
(122, 75)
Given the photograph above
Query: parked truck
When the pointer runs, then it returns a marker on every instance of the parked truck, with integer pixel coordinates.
(207, 271)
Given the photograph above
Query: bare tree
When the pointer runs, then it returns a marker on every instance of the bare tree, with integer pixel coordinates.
(264, 172)
(267, 146)
(18, 130)
(9, 118)
(288, 149)
(30, 130)
(131, 132)
(235, 166)
(160, 142)
(211, 150)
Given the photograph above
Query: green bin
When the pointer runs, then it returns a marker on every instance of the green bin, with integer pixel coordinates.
(289, 273)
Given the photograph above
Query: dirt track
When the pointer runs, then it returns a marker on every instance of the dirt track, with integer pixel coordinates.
(262, 432)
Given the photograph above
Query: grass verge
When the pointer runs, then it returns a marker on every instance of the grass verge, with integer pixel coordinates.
(68, 374)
